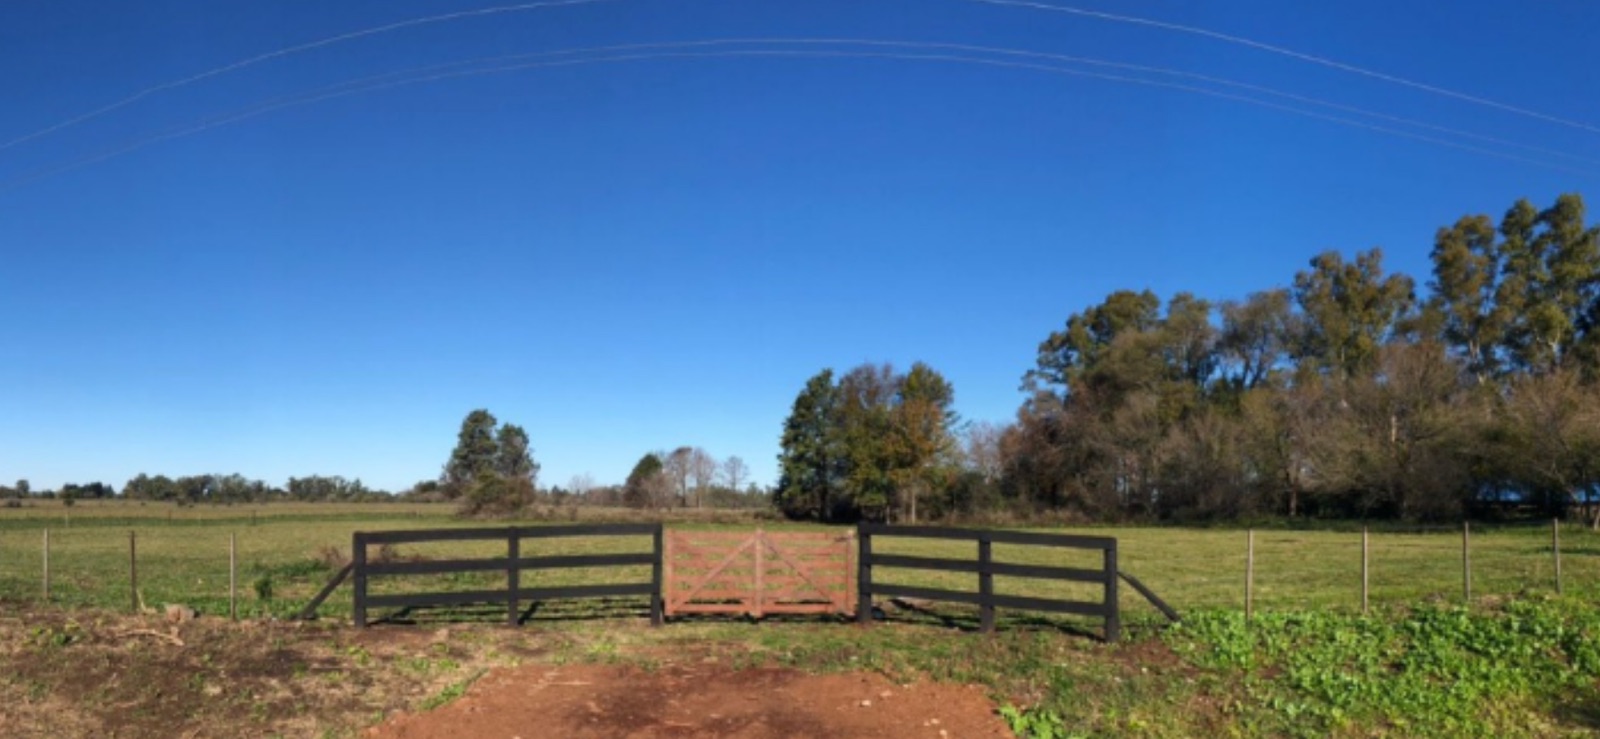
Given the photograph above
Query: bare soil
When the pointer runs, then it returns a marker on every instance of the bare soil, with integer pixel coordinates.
(88, 673)
(699, 701)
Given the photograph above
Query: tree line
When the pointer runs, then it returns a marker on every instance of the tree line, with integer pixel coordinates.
(1343, 394)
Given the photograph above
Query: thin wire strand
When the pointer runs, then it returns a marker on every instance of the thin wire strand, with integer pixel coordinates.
(1291, 53)
(287, 51)
(390, 81)
(1020, 53)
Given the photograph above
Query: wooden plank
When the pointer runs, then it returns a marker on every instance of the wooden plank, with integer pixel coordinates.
(908, 591)
(588, 529)
(437, 566)
(1046, 572)
(708, 578)
(1050, 605)
(609, 590)
(567, 561)
(455, 598)
(1155, 600)
(998, 536)
(310, 611)
(411, 536)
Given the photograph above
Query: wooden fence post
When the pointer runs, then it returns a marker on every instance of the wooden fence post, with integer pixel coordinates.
(1112, 595)
(761, 570)
(358, 559)
(1555, 549)
(985, 583)
(47, 565)
(1249, 573)
(133, 573)
(657, 602)
(864, 576)
(1365, 549)
(233, 576)
(1466, 561)
(513, 574)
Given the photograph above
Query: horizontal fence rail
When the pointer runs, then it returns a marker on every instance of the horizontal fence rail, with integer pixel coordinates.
(986, 568)
(513, 564)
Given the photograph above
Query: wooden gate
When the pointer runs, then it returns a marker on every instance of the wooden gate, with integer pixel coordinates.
(760, 573)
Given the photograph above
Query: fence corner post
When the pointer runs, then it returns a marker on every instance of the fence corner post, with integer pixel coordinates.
(657, 604)
(863, 574)
(1112, 595)
(358, 562)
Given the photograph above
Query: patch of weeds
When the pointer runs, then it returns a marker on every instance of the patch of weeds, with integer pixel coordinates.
(1430, 670)
(452, 691)
(1036, 723)
(56, 636)
(359, 655)
(262, 586)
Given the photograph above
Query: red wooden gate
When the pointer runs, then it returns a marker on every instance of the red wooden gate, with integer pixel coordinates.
(760, 573)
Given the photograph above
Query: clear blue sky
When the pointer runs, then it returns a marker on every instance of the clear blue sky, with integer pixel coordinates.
(637, 255)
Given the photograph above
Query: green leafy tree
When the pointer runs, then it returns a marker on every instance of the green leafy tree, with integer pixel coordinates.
(476, 453)
(1255, 337)
(514, 455)
(1350, 309)
(1066, 355)
(1552, 266)
(809, 463)
(647, 485)
(922, 439)
(1466, 280)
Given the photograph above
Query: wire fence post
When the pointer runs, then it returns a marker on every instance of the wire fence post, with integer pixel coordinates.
(1365, 556)
(47, 565)
(1249, 573)
(133, 572)
(1466, 561)
(1555, 549)
(233, 576)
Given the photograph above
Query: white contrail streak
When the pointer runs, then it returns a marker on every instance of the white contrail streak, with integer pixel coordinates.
(1291, 53)
(448, 71)
(287, 51)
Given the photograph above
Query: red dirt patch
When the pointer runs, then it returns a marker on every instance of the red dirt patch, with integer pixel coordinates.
(699, 701)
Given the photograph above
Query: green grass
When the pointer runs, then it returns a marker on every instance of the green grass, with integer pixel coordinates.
(185, 559)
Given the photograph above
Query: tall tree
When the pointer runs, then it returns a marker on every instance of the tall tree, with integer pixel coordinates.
(514, 456)
(647, 485)
(864, 427)
(1066, 355)
(1552, 266)
(808, 463)
(676, 465)
(475, 453)
(1466, 280)
(922, 440)
(735, 473)
(1255, 337)
(1350, 309)
(702, 472)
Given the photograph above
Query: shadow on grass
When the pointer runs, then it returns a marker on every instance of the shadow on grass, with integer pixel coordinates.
(908, 612)
(535, 613)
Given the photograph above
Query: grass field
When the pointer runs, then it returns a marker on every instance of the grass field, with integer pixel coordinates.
(182, 557)
(1517, 661)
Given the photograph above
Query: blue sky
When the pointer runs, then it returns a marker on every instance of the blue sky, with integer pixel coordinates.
(640, 254)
